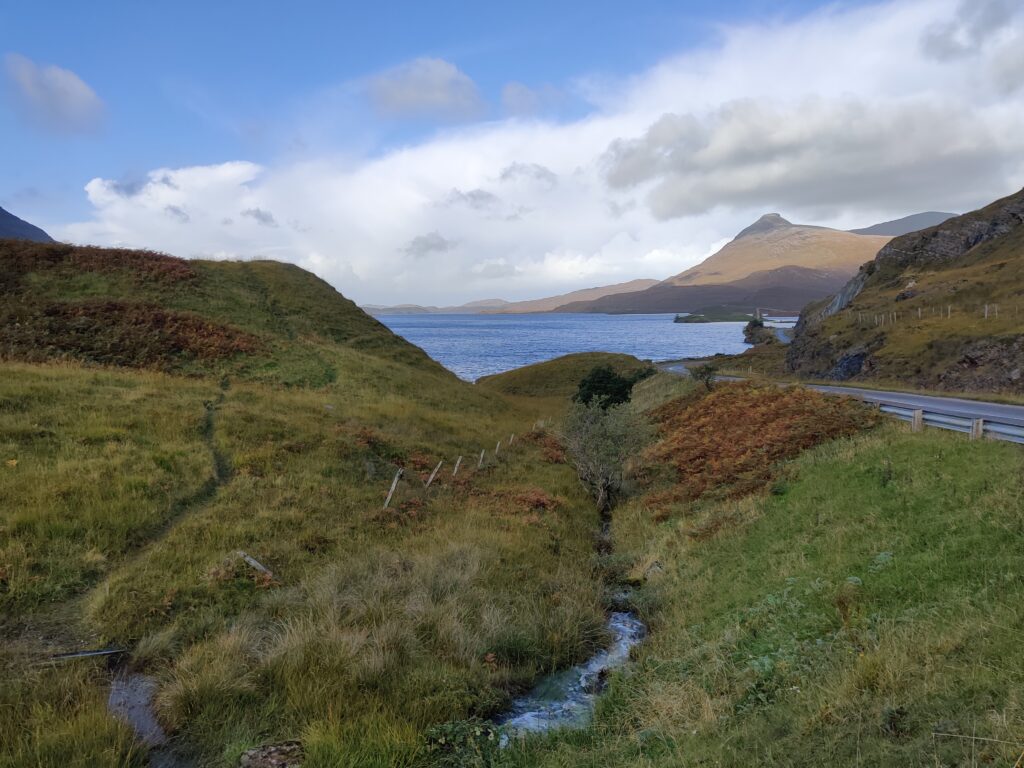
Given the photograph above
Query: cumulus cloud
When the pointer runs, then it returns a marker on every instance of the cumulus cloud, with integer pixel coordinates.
(177, 212)
(477, 199)
(54, 97)
(422, 246)
(530, 171)
(975, 23)
(425, 88)
(669, 163)
(260, 216)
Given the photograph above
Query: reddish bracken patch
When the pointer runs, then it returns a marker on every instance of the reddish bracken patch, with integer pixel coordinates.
(535, 499)
(19, 257)
(731, 439)
(121, 333)
(551, 449)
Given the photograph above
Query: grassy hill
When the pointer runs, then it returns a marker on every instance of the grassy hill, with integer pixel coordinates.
(256, 320)
(159, 416)
(942, 308)
(818, 589)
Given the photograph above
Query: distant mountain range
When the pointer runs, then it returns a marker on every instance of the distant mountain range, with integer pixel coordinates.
(18, 229)
(499, 306)
(772, 264)
(906, 225)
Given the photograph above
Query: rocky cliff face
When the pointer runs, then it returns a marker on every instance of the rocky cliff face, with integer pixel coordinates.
(927, 309)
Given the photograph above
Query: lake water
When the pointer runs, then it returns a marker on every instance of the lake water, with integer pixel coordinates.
(478, 345)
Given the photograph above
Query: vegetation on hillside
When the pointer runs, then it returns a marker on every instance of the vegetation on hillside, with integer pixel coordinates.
(257, 320)
(560, 378)
(818, 589)
(940, 309)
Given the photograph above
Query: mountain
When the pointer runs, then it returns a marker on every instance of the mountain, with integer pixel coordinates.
(772, 264)
(785, 289)
(906, 225)
(259, 320)
(937, 308)
(13, 227)
(773, 242)
(552, 303)
(502, 307)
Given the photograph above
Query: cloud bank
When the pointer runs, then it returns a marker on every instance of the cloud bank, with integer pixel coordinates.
(55, 98)
(844, 117)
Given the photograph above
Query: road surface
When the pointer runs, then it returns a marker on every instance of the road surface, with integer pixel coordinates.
(950, 406)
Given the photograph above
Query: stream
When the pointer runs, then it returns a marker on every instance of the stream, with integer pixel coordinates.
(131, 700)
(566, 699)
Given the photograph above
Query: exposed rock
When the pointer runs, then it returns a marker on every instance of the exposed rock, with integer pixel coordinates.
(288, 754)
(848, 366)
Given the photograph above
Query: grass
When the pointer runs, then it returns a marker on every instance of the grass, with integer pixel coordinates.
(925, 324)
(866, 604)
(560, 377)
(840, 606)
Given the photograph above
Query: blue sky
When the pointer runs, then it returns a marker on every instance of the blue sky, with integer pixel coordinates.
(199, 128)
(191, 83)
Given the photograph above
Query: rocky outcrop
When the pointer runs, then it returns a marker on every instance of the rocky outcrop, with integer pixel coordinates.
(971, 259)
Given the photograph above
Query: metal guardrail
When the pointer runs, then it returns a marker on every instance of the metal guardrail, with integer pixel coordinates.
(976, 428)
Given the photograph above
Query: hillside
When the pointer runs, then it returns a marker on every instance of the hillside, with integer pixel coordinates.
(772, 264)
(772, 242)
(940, 308)
(258, 320)
(13, 227)
(905, 225)
(786, 289)
(501, 307)
(160, 417)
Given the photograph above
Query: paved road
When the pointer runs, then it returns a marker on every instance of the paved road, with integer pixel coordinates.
(950, 406)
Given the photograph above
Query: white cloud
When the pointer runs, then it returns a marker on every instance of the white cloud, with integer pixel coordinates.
(54, 97)
(425, 88)
(841, 118)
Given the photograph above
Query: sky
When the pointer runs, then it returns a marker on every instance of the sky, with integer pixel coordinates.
(442, 152)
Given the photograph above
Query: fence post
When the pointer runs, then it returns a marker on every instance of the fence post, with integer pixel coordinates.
(918, 422)
(977, 429)
(434, 473)
(457, 464)
(497, 448)
(394, 484)
(481, 462)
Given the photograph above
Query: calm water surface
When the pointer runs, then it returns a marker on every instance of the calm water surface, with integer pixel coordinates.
(477, 345)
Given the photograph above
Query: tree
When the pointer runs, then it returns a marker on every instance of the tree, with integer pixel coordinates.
(600, 439)
(607, 386)
(705, 374)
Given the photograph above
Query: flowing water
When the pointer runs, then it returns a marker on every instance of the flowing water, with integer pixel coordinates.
(131, 700)
(566, 699)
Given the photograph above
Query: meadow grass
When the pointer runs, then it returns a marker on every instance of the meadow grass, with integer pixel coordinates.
(127, 496)
(864, 611)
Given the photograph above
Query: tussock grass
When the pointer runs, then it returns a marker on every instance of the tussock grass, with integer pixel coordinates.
(869, 602)
(124, 514)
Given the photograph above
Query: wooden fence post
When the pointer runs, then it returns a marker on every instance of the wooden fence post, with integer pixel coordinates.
(457, 464)
(434, 473)
(977, 429)
(918, 422)
(394, 484)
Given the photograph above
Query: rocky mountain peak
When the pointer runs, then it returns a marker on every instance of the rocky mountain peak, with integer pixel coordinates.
(767, 223)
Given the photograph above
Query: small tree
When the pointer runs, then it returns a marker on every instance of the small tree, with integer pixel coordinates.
(705, 374)
(600, 440)
(607, 386)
